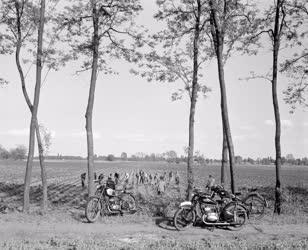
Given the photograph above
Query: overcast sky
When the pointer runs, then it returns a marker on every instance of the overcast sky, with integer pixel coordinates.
(132, 115)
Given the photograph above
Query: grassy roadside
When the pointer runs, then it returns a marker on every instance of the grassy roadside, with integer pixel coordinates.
(161, 244)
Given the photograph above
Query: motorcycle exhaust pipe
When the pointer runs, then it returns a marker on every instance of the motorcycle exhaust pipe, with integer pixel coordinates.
(217, 223)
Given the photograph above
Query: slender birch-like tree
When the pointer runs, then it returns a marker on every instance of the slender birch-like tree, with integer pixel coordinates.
(34, 123)
(178, 54)
(20, 19)
(99, 30)
(230, 22)
(285, 24)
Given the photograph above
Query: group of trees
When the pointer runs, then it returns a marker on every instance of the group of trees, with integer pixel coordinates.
(193, 32)
(17, 153)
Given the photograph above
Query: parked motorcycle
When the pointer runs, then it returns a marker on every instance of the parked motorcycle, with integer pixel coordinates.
(213, 213)
(255, 203)
(109, 201)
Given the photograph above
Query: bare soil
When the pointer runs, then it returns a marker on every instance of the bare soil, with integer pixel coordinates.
(70, 225)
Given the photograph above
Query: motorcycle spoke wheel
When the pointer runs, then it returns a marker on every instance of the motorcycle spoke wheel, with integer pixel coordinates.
(255, 206)
(128, 203)
(239, 216)
(93, 209)
(184, 218)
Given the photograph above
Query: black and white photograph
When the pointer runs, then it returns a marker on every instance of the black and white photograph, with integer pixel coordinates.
(153, 124)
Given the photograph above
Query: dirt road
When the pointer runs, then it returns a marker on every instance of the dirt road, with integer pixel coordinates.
(132, 229)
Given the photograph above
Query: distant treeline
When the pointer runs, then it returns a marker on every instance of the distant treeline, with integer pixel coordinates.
(20, 153)
(200, 159)
(17, 153)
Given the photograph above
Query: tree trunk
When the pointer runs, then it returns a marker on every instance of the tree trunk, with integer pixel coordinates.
(218, 37)
(27, 99)
(43, 169)
(26, 201)
(224, 159)
(225, 116)
(91, 102)
(276, 45)
(193, 101)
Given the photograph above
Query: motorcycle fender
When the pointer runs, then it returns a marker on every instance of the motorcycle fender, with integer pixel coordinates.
(187, 204)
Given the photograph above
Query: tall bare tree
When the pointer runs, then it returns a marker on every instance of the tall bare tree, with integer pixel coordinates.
(229, 24)
(285, 23)
(19, 18)
(176, 55)
(34, 123)
(98, 30)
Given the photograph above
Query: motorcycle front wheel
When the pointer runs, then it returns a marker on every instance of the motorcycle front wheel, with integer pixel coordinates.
(184, 218)
(93, 209)
(236, 215)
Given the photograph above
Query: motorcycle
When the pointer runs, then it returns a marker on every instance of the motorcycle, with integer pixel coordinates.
(254, 203)
(108, 201)
(213, 213)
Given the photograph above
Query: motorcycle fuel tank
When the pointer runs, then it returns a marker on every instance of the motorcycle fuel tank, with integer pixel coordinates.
(186, 204)
(212, 217)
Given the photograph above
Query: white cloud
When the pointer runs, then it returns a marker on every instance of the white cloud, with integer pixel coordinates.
(244, 137)
(136, 137)
(269, 122)
(284, 123)
(247, 127)
(18, 132)
(305, 124)
(79, 134)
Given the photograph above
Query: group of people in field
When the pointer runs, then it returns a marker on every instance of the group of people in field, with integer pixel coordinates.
(158, 181)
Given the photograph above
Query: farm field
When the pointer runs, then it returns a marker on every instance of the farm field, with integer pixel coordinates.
(64, 226)
(245, 175)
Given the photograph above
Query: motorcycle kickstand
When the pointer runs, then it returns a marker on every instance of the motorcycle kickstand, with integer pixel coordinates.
(211, 228)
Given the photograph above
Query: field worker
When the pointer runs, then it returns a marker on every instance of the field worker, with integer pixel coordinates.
(137, 178)
(170, 176)
(155, 177)
(210, 183)
(177, 178)
(141, 174)
(126, 180)
(83, 179)
(165, 176)
(145, 177)
(101, 178)
(116, 178)
(161, 186)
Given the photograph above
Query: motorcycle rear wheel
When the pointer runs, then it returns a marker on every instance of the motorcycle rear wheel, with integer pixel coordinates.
(93, 209)
(128, 203)
(255, 206)
(184, 218)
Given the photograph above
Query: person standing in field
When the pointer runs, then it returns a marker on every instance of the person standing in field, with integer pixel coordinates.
(137, 178)
(210, 183)
(161, 186)
(83, 179)
(116, 178)
(101, 178)
(170, 176)
(177, 178)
